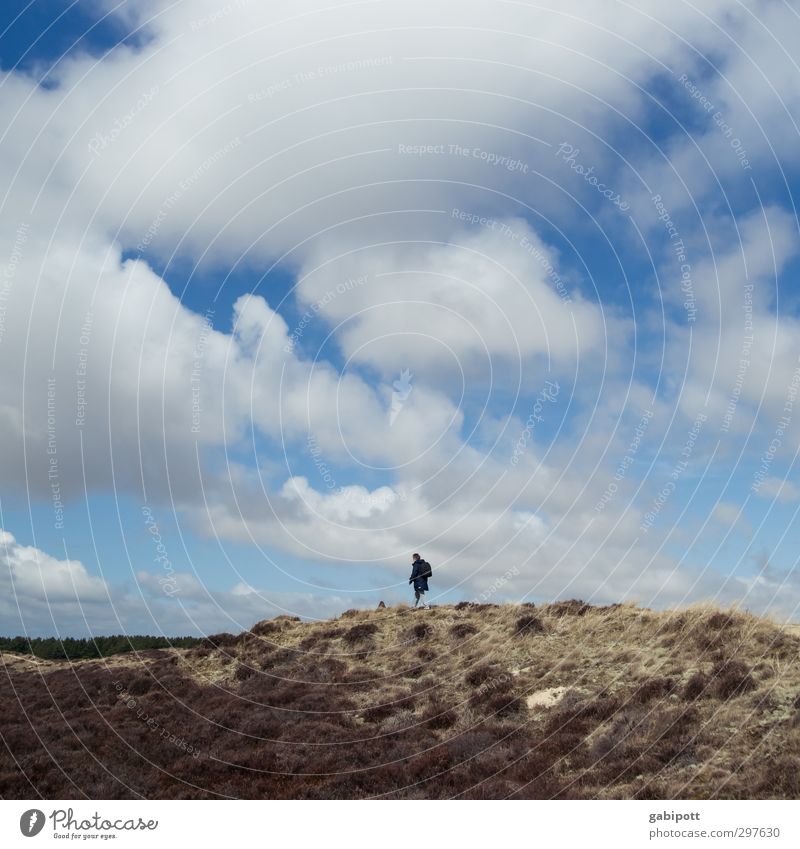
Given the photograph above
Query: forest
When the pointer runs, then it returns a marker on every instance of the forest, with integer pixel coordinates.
(70, 648)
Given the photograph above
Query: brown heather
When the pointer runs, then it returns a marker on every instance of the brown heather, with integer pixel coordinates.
(565, 700)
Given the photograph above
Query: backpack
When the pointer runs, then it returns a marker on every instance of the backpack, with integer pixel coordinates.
(426, 572)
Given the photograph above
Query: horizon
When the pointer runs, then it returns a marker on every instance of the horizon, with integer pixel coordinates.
(699, 606)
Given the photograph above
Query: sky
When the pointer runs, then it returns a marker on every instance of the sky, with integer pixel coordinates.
(291, 291)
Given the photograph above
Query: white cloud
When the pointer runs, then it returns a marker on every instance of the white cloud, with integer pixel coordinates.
(778, 489)
(489, 298)
(272, 133)
(315, 139)
(42, 595)
(29, 573)
(728, 514)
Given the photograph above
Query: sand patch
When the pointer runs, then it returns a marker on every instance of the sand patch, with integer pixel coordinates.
(545, 698)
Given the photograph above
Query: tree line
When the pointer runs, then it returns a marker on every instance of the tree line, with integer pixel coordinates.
(70, 648)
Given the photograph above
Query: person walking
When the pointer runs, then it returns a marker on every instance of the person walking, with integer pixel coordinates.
(420, 572)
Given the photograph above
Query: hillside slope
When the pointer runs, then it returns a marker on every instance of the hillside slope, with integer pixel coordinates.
(480, 701)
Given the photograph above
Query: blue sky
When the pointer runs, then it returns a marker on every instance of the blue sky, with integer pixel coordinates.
(249, 223)
(37, 35)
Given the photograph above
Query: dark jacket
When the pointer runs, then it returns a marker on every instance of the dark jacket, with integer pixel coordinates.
(419, 582)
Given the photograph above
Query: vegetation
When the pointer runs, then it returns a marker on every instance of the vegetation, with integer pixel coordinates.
(565, 700)
(51, 648)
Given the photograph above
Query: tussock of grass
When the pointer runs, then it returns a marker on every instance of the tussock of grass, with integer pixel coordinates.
(527, 625)
(700, 703)
(462, 630)
(359, 633)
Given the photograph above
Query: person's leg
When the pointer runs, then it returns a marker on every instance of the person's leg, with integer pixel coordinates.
(416, 597)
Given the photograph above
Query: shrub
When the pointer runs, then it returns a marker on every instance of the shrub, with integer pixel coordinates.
(720, 620)
(649, 792)
(696, 686)
(263, 629)
(360, 678)
(140, 685)
(611, 741)
(780, 778)
(654, 688)
(243, 672)
(528, 625)
(377, 713)
(463, 629)
(216, 641)
(415, 671)
(480, 674)
(602, 706)
(438, 717)
(360, 632)
(325, 671)
(708, 640)
(487, 693)
(732, 678)
(420, 631)
(571, 721)
(505, 704)
(572, 607)
(380, 712)
(784, 646)
(676, 623)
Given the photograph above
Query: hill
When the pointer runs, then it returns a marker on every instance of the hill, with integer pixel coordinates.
(561, 700)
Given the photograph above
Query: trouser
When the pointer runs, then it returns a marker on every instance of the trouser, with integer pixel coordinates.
(419, 596)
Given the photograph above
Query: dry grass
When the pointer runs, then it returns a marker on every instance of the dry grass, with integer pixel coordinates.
(698, 703)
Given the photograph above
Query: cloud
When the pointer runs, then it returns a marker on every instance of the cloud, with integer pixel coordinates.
(29, 573)
(267, 126)
(730, 515)
(42, 595)
(779, 490)
(399, 162)
(261, 130)
(488, 298)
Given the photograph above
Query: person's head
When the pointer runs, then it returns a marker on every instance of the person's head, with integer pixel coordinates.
(414, 558)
